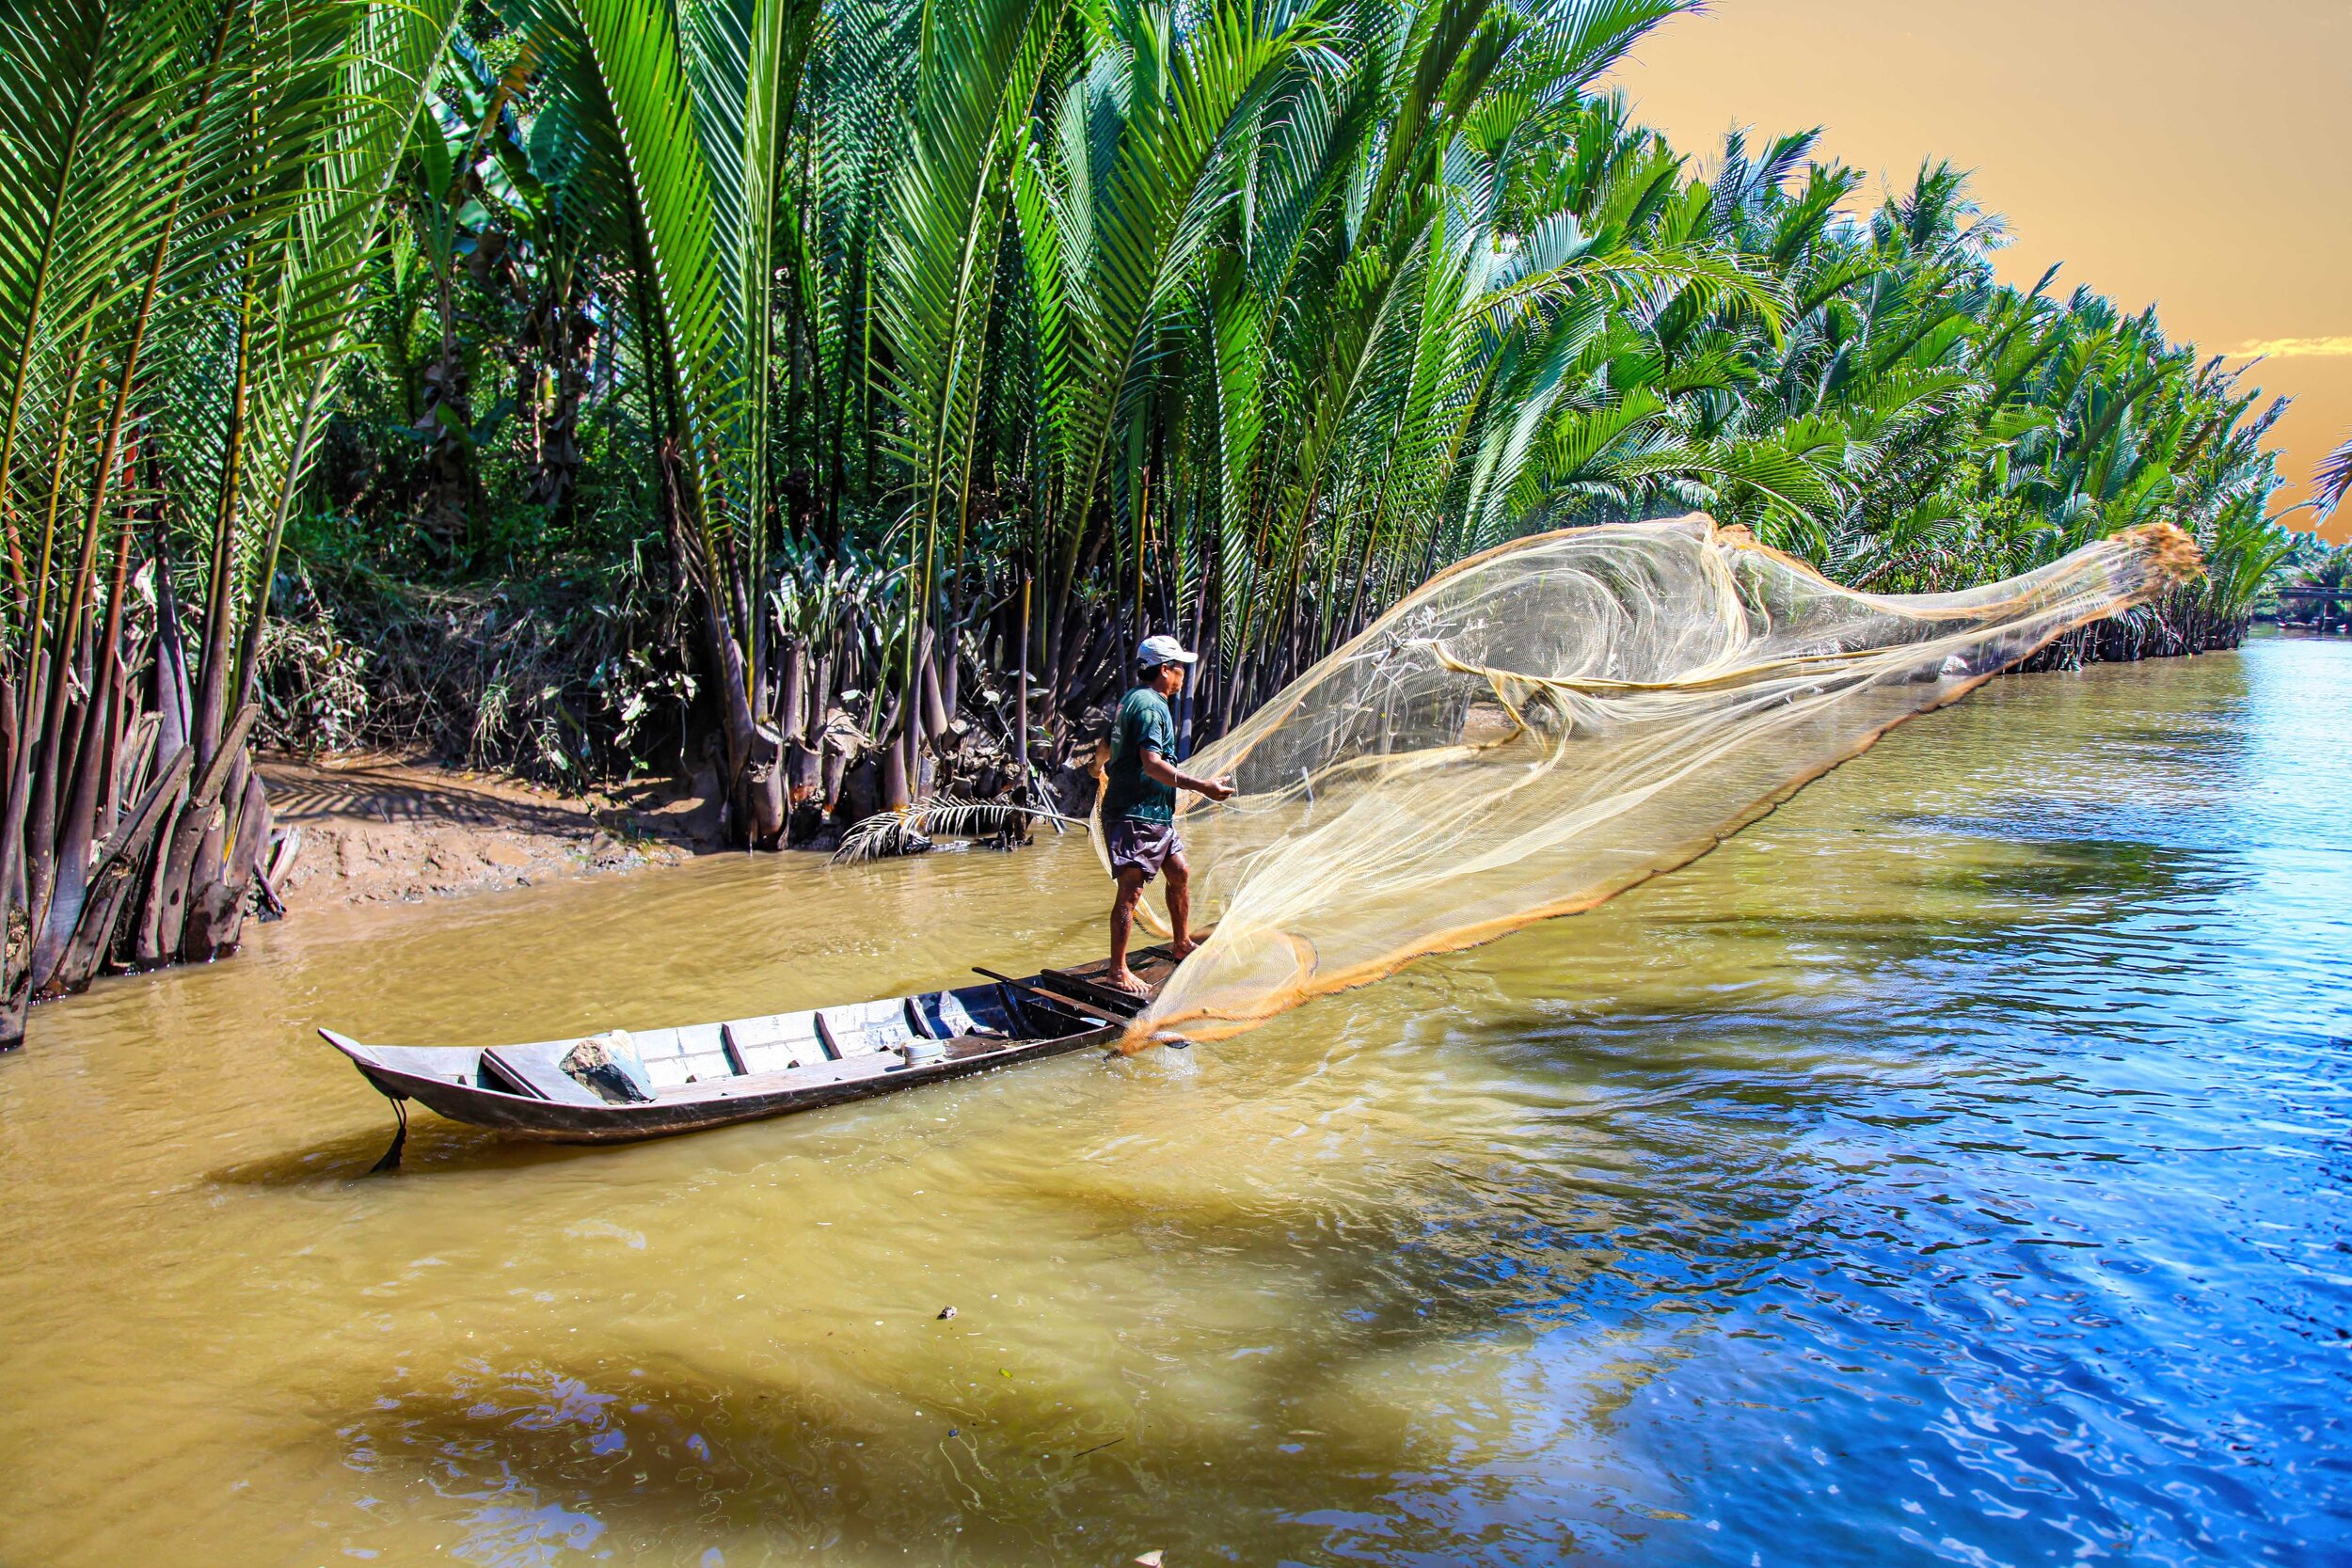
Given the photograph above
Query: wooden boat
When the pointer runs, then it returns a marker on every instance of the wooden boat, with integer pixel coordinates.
(714, 1074)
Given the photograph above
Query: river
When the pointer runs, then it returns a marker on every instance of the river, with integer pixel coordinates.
(1952, 1167)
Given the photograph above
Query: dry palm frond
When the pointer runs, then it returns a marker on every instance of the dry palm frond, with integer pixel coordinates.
(887, 832)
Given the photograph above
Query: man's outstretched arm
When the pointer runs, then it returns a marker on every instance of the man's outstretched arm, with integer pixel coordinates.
(1160, 771)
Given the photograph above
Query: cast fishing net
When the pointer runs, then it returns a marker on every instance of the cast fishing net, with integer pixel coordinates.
(1542, 726)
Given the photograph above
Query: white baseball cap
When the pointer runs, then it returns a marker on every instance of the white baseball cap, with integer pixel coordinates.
(1152, 652)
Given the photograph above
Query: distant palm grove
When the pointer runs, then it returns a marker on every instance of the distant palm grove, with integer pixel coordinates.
(756, 386)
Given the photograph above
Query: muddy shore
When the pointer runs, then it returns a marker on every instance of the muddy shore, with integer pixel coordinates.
(377, 827)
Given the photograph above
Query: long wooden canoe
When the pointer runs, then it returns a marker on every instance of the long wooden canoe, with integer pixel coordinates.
(714, 1074)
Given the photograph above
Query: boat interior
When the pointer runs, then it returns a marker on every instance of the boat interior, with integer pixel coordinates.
(699, 1060)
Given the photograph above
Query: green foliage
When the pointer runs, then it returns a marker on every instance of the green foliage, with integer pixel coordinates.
(1233, 316)
(191, 194)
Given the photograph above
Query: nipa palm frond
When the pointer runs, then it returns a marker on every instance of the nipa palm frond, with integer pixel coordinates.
(889, 833)
(2333, 481)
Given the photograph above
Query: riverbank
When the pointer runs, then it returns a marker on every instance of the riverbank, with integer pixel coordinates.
(378, 826)
(382, 826)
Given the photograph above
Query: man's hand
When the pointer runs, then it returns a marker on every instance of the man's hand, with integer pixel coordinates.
(1216, 789)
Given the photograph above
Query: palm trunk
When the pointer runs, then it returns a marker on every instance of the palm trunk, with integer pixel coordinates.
(16, 925)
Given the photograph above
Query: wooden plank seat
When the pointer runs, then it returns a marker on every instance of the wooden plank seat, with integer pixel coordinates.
(536, 1071)
(865, 1028)
(775, 1042)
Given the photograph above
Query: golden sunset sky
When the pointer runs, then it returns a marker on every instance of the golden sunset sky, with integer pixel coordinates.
(2198, 157)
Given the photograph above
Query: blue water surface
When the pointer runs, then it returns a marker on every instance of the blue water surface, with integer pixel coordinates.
(1999, 1216)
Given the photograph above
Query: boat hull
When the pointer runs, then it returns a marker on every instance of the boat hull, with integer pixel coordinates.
(701, 1076)
(517, 1116)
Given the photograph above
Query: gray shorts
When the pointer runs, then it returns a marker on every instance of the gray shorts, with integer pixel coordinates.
(1145, 846)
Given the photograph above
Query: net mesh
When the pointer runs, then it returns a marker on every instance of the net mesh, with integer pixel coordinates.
(1542, 726)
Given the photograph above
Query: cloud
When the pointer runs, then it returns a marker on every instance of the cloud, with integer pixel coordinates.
(2296, 348)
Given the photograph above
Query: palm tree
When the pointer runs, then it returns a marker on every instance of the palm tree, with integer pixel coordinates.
(188, 194)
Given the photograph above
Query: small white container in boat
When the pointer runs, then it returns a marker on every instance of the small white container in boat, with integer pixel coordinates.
(923, 1053)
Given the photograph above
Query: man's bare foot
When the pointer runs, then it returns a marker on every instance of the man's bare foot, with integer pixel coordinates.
(1183, 949)
(1123, 978)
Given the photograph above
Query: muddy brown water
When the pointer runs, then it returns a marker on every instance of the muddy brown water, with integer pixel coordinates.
(1951, 1166)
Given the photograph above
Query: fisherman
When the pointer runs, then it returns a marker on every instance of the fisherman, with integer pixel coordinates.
(1139, 786)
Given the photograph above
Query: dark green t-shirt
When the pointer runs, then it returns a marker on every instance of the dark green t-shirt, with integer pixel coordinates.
(1144, 724)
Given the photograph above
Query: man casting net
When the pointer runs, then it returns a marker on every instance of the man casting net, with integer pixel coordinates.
(1542, 726)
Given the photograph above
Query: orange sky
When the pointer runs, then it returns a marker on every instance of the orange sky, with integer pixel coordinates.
(2198, 156)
